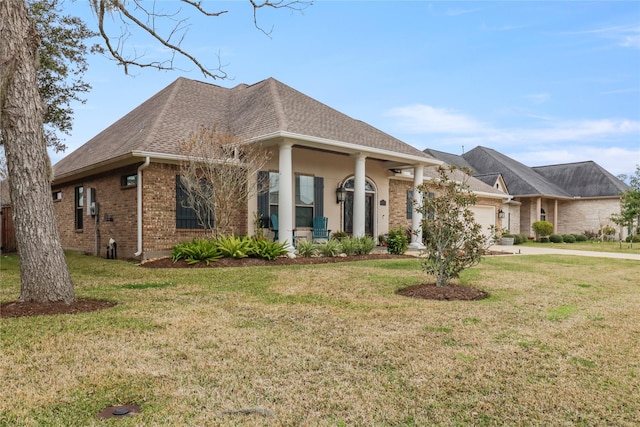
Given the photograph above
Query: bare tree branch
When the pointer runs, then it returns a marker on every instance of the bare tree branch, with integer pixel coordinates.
(153, 19)
(220, 176)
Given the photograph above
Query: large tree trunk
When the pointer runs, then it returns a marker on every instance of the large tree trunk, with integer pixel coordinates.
(43, 269)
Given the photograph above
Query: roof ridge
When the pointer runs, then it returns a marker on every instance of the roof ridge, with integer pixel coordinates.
(277, 102)
(177, 83)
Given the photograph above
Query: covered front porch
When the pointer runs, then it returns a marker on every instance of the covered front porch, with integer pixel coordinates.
(346, 183)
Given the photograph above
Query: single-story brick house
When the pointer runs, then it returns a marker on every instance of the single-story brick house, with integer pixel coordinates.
(131, 170)
(574, 197)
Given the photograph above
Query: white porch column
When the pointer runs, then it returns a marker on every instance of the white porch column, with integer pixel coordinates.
(359, 180)
(416, 216)
(285, 196)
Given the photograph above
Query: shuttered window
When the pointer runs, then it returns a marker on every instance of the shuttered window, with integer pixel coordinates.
(186, 216)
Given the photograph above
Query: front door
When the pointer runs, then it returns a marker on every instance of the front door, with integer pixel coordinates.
(368, 213)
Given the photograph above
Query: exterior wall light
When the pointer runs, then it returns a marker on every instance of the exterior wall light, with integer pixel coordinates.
(341, 194)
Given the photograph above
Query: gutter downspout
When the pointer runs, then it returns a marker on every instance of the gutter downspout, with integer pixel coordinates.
(139, 189)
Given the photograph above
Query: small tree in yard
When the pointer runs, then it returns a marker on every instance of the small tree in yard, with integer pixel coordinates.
(218, 177)
(454, 240)
(542, 229)
(630, 206)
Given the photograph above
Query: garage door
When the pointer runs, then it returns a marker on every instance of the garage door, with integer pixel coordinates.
(485, 216)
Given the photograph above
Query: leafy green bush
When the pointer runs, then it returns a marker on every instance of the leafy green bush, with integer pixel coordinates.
(581, 238)
(635, 238)
(306, 248)
(266, 249)
(543, 240)
(556, 238)
(519, 239)
(542, 229)
(330, 248)
(235, 247)
(197, 251)
(397, 242)
(349, 245)
(569, 238)
(365, 245)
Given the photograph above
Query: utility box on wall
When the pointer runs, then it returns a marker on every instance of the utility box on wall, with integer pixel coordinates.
(92, 206)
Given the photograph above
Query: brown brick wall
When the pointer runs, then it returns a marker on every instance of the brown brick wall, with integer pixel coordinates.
(120, 203)
(398, 203)
(114, 200)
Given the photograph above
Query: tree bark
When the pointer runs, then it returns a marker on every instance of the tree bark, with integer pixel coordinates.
(43, 269)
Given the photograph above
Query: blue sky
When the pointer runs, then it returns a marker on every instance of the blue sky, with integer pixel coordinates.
(543, 82)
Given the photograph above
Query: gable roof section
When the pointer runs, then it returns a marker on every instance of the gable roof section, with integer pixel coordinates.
(477, 186)
(248, 111)
(448, 158)
(521, 180)
(583, 179)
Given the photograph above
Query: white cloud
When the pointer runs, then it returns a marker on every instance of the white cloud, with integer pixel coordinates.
(427, 119)
(625, 35)
(539, 98)
(612, 143)
(616, 160)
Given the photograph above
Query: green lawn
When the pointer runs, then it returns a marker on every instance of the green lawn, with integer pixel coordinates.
(592, 246)
(555, 344)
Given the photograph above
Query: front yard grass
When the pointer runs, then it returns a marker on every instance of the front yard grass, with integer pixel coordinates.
(595, 246)
(555, 344)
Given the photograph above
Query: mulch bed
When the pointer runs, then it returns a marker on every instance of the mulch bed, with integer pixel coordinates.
(259, 262)
(451, 292)
(23, 309)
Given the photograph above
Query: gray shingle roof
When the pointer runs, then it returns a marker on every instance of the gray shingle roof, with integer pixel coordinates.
(448, 158)
(474, 183)
(583, 179)
(521, 180)
(249, 111)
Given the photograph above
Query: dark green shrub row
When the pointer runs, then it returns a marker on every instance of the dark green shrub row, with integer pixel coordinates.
(211, 250)
(635, 238)
(567, 238)
(519, 239)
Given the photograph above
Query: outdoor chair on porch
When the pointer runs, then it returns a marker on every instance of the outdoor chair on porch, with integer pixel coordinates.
(320, 231)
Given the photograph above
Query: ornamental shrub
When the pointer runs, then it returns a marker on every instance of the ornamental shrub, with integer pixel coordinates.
(556, 238)
(266, 249)
(635, 238)
(543, 240)
(569, 238)
(306, 248)
(397, 242)
(365, 245)
(542, 229)
(581, 238)
(331, 248)
(196, 251)
(520, 239)
(349, 245)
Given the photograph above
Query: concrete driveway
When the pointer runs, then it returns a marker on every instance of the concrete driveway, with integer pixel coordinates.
(529, 250)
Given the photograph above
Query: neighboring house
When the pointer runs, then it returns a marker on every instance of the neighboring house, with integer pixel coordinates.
(131, 170)
(574, 197)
